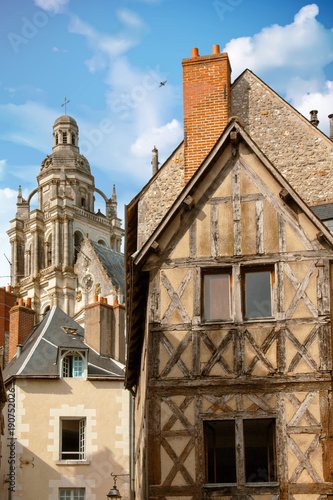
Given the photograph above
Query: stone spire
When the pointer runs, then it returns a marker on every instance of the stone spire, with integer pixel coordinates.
(19, 195)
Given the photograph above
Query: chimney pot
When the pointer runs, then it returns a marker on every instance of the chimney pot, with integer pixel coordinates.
(29, 302)
(331, 126)
(154, 161)
(116, 302)
(216, 49)
(195, 52)
(21, 303)
(9, 289)
(95, 298)
(314, 118)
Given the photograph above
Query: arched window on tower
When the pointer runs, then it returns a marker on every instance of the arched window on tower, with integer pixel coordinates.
(46, 310)
(57, 139)
(27, 261)
(78, 237)
(48, 252)
(73, 139)
(64, 137)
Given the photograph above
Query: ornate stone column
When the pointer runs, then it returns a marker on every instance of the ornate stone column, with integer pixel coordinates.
(66, 243)
(57, 242)
(13, 244)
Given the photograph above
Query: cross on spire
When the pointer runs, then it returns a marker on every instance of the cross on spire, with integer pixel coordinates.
(64, 104)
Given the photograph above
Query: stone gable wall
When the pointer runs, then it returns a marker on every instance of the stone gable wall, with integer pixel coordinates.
(160, 195)
(301, 152)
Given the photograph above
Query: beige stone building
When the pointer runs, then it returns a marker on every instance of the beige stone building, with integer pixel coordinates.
(228, 276)
(67, 417)
(45, 241)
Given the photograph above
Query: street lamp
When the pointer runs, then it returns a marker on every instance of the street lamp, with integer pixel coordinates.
(114, 492)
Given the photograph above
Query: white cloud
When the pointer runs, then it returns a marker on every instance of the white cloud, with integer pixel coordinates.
(56, 6)
(291, 58)
(106, 47)
(28, 124)
(2, 167)
(166, 136)
(56, 49)
(321, 101)
(303, 47)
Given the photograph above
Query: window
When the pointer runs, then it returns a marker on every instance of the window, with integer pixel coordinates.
(253, 460)
(72, 366)
(72, 494)
(217, 293)
(57, 141)
(72, 442)
(73, 139)
(64, 138)
(257, 293)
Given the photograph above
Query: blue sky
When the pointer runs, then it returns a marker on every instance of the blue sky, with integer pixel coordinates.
(108, 57)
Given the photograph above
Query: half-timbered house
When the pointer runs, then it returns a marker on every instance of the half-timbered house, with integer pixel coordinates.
(229, 313)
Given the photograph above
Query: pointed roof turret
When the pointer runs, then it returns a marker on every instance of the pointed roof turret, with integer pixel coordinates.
(114, 196)
(19, 195)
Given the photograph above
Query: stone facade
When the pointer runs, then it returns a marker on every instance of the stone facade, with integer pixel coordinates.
(160, 193)
(302, 153)
(45, 241)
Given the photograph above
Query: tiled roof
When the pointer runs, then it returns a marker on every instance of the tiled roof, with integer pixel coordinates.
(323, 212)
(39, 356)
(113, 263)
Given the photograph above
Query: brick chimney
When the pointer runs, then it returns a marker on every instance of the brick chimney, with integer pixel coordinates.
(21, 323)
(105, 328)
(206, 87)
(7, 301)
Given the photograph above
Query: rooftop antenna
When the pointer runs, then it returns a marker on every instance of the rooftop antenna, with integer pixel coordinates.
(64, 104)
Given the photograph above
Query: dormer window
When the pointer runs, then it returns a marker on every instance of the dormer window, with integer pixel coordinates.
(64, 138)
(73, 364)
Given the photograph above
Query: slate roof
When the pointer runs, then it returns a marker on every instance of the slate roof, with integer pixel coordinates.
(323, 212)
(39, 356)
(113, 263)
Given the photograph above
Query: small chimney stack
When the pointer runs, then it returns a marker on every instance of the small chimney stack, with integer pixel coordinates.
(105, 329)
(206, 88)
(314, 118)
(331, 126)
(21, 323)
(154, 161)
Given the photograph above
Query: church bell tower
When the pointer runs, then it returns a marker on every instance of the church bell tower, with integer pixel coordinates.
(45, 240)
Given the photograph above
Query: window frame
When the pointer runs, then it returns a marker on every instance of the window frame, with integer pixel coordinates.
(72, 493)
(240, 455)
(82, 438)
(251, 270)
(223, 271)
(64, 354)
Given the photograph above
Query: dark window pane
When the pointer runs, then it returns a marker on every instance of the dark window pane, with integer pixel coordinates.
(258, 302)
(220, 451)
(259, 443)
(70, 440)
(216, 297)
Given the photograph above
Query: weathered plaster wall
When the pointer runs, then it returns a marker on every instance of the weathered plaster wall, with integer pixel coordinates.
(302, 153)
(39, 406)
